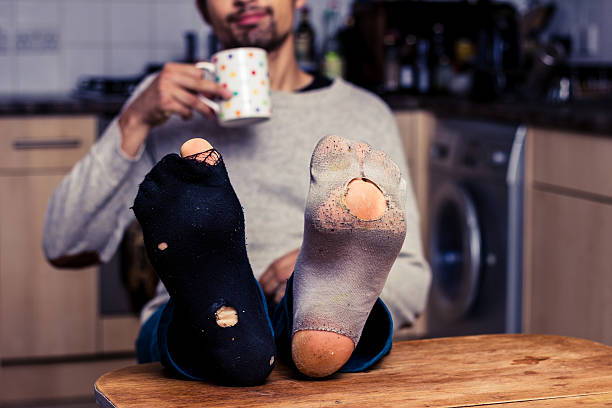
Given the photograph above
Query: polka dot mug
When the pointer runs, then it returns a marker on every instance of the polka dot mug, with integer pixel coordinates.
(244, 72)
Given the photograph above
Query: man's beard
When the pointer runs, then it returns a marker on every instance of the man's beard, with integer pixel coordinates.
(269, 41)
(266, 37)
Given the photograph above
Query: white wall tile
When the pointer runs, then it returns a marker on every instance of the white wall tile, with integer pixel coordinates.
(37, 14)
(130, 22)
(78, 62)
(605, 33)
(317, 13)
(7, 27)
(172, 20)
(85, 22)
(7, 74)
(37, 27)
(575, 18)
(128, 61)
(38, 73)
(166, 54)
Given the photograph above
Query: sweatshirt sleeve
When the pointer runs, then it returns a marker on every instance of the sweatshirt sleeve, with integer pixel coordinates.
(90, 209)
(405, 292)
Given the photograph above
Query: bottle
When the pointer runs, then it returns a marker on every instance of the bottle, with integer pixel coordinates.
(305, 42)
(392, 67)
(462, 75)
(407, 77)
(423, 82)
(332, 64)
(191, 47)
(441, 68)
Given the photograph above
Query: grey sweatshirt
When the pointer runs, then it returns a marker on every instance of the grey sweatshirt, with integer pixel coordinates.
(268, 165)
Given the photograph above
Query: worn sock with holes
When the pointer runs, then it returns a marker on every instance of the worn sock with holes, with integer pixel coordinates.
(193, 228)
(344, 261)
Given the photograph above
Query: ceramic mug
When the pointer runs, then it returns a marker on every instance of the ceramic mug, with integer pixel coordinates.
(243, 71)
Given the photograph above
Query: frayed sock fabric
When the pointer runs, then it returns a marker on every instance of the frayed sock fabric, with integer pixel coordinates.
(193, 228)
(344, 261)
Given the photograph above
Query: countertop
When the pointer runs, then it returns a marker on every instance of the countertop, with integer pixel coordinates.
(589, 117)
(58, 104)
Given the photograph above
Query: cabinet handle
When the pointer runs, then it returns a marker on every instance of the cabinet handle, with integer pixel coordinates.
(46, 144)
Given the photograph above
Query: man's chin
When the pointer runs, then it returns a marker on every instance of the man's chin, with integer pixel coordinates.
(256, 36)
(267, 45)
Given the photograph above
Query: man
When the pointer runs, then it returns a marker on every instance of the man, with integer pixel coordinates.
(268, 165)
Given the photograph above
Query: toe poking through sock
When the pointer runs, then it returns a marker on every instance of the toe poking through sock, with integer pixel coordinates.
(162, 246)
(365, 200)
(200, 150)
(226, 316)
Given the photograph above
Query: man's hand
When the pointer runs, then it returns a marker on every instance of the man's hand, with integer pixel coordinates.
(174, 91)
(274, 280)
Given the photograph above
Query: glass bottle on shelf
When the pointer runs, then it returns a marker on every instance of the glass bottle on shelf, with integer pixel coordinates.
(422, 67)
(407, 77)
(305, 42)
(392, 67)
(441, 63)
(332, 64)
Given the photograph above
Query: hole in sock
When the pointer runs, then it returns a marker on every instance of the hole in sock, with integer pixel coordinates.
(364, 199)
(211, 157)
(226, 316)
(162, 246)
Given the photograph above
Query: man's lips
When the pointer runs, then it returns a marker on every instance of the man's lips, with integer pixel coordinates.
(249, 18)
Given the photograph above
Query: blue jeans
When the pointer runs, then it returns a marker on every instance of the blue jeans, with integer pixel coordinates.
(375, 341)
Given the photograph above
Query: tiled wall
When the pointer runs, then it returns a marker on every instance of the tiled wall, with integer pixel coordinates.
(588, 24)
(46, 45)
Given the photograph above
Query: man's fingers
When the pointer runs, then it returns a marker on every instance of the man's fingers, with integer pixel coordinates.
(185, 69)
(278, 272)
(270, 286)
(286, 264)
(266, 276)
(198, 85)
(176, 107)
(280, 292)
(191, 101)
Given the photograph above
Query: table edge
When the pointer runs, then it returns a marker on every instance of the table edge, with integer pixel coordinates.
(101, 399)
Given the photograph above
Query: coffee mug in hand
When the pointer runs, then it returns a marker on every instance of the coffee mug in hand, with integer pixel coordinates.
(244, 72)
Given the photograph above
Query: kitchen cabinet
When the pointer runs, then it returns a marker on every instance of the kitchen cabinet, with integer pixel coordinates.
(416, 128)
(40, 306)
(49, 317)
(567, 273)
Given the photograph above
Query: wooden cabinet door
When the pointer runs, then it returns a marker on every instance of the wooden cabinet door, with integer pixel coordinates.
(568, 266)
(44, 311)
(416, 129)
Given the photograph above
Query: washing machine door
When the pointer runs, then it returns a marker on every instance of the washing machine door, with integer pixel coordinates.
(455, 252)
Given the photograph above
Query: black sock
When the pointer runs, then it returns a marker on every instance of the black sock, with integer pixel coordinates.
(193, 228)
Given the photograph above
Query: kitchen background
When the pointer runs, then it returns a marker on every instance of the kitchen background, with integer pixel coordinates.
(528, 158)
(46, 45)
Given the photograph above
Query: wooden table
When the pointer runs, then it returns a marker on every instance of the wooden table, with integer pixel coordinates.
(510, 370)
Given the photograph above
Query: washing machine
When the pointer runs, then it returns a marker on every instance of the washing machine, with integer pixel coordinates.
(474, 234)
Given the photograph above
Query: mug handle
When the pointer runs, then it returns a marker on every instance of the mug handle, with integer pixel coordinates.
(208, 67)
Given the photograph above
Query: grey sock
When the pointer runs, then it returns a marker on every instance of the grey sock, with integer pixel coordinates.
(344, 261)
